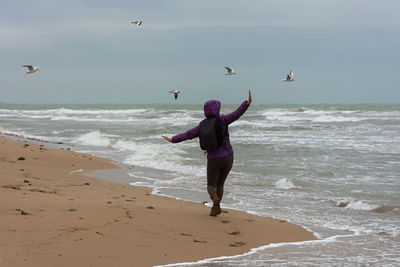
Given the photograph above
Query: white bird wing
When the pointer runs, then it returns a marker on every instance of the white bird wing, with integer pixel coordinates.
(291, 74)
(30, 67)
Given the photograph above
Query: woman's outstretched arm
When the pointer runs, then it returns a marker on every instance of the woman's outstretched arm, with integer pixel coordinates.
(231, 117)
(190, 134)
(166, 138)
(250, 98)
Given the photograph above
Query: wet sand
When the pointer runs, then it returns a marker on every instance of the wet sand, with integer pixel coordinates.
(52, 214)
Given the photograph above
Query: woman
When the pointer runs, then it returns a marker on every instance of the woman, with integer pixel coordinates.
(219, 161)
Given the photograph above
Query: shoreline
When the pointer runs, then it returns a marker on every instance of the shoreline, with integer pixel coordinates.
(74, 218)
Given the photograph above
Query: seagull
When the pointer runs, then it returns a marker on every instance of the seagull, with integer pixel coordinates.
(137, 22)
(289, 77)
(175, 92)
(229, 71)
(31, 68)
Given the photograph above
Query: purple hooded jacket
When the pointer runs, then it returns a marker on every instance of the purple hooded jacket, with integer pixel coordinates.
(212, 109)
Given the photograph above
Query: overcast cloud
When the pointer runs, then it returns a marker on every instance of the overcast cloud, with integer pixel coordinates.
(89, 52)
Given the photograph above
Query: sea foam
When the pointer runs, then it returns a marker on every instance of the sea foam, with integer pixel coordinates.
(95, 138)
(285, 184)
(357, 205)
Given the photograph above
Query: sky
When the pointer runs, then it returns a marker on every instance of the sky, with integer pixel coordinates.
(341, 51)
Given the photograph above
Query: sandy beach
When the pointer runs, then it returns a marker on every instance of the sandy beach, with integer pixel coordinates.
(53, 215)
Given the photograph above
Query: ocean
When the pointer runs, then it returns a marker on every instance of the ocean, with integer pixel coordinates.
(333, 169)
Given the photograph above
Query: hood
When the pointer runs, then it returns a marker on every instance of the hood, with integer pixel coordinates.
(212, 108)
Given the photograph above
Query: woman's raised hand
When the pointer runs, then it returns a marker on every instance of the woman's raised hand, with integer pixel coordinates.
(250, 98)
(166, 138)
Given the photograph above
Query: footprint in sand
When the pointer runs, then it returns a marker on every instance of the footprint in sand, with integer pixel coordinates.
(15, 187)
(38, 190)
(235, 233)
(237, 244)
(128, 214)
(225, 221)
(184, 234)
(6, 159)
(76, 171)
(22, 212)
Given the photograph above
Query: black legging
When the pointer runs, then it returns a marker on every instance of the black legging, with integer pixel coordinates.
(217, 171)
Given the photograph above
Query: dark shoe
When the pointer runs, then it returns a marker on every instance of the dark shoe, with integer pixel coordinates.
(213, 211)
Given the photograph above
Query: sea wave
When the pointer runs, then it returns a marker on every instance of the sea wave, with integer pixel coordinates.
(327, 118)
(75, 111)
(94, 119)
(157, 156)
(35, 137)
(357, 205)
(95, 138)
(304, 111)
(285, 184)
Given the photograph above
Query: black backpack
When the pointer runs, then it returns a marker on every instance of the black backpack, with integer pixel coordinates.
(210, 134)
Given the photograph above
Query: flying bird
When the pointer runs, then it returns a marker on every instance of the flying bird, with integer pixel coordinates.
(31, 68)
(289, 77)
(229, 71)
(175, 92)
(137, 22)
